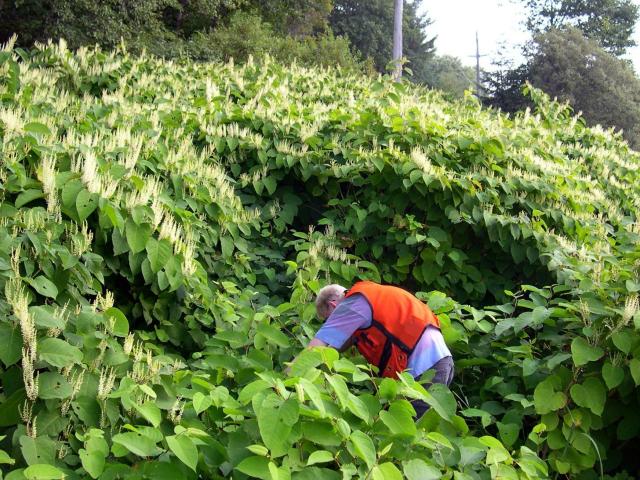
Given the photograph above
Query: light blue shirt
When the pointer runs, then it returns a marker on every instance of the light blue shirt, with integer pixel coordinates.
(354, 312)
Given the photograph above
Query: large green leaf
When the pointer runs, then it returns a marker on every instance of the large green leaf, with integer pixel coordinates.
(584, 353)
(43, 286)
(386, 471)
(38, 450)
(591, 394)
(418, 469)
(398, 420)
(43, 471)
(86, 203)
(58, 353)
(184, 448)
(53, 385)
(136, 443)
(137, 235)
(547, 397)
(11, 344)
(255, 466)
(363, 447)
(159, 252)
(150, 412)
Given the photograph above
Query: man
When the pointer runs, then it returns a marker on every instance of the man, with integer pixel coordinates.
(390, 327)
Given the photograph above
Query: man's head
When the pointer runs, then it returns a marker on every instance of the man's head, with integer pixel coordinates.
(328, 299)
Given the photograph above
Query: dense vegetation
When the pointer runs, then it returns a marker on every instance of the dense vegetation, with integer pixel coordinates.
(164, 226)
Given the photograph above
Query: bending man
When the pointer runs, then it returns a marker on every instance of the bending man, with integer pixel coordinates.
(391, 328)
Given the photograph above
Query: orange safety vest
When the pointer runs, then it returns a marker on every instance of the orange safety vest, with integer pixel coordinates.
(399, 320)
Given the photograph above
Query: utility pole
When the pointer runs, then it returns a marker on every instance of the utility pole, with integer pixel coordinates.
(397, 39)
(477, 55)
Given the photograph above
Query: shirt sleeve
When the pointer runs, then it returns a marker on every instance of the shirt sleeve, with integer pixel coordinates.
(352, 313)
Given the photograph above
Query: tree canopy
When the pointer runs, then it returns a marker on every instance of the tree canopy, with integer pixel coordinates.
(369, 26)
(608, 22)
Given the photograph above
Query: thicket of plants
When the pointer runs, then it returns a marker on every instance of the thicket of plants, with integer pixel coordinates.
(164, 226)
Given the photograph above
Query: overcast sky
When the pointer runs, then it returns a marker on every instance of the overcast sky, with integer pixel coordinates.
(498, 22)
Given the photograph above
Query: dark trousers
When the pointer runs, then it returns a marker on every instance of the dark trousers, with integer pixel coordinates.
(444, 370)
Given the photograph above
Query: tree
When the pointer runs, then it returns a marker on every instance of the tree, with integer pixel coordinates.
(609, 22)
(447, 73)
(569, 66)
(369, 26)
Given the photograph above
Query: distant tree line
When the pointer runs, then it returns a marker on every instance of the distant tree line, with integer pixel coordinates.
(353, 34)
(576, 55)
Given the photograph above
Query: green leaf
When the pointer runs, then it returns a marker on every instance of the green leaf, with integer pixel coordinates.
(363, 447)
(150, 412)
(37, 128)
(418, 469)
(201, 402)
(546, 397)
(159, 252)
(42, 471)
(184, 448)
(386, 471)
(136, 443)
(38, 450)
(634, 367)
(86, 203)
(53, 385)
(399, 420)
(93, 462)
(137, 235)
(118, 322)
(11, 344)
(613, 375)
(58, 353)
(591, 394)
(43, 286)
(255, 466)
(5, 459)
(273, 335)
(319, 456)
(28, 196)
(623, 340)
(584, 353)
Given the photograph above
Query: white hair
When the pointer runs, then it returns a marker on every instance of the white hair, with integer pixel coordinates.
(327, 294)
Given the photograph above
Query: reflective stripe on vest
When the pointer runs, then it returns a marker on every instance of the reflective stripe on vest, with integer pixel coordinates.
(399, 320)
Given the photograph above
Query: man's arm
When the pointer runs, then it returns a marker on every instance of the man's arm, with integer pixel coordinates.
(316, 342)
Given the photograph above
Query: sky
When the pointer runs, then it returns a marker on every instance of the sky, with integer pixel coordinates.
(498, 23)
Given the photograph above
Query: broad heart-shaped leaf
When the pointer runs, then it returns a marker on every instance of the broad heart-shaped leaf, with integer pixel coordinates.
(255, 466)
(58, 353)
(94, 454)
(136, 443)
(38, 450)
(86, 203)
(120, 325)
(613, 375)
(53, 385)
(417, 469)
(399, 420)
(137, 235)
(591, 394)
(93, 462)
(10, 344)
(201, 402)
(159, 252)
(43, 286)
(275, 424)
(584, 353)
(184, 448)
(363, 447)
(320, 456)
(273, 335)
(386, 471)
(634, 367)
(43, 471)
(150, 412)
(28, 196)
(623, 340)
(546, 397)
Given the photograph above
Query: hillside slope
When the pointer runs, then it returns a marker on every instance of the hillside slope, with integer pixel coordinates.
(164, 226)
